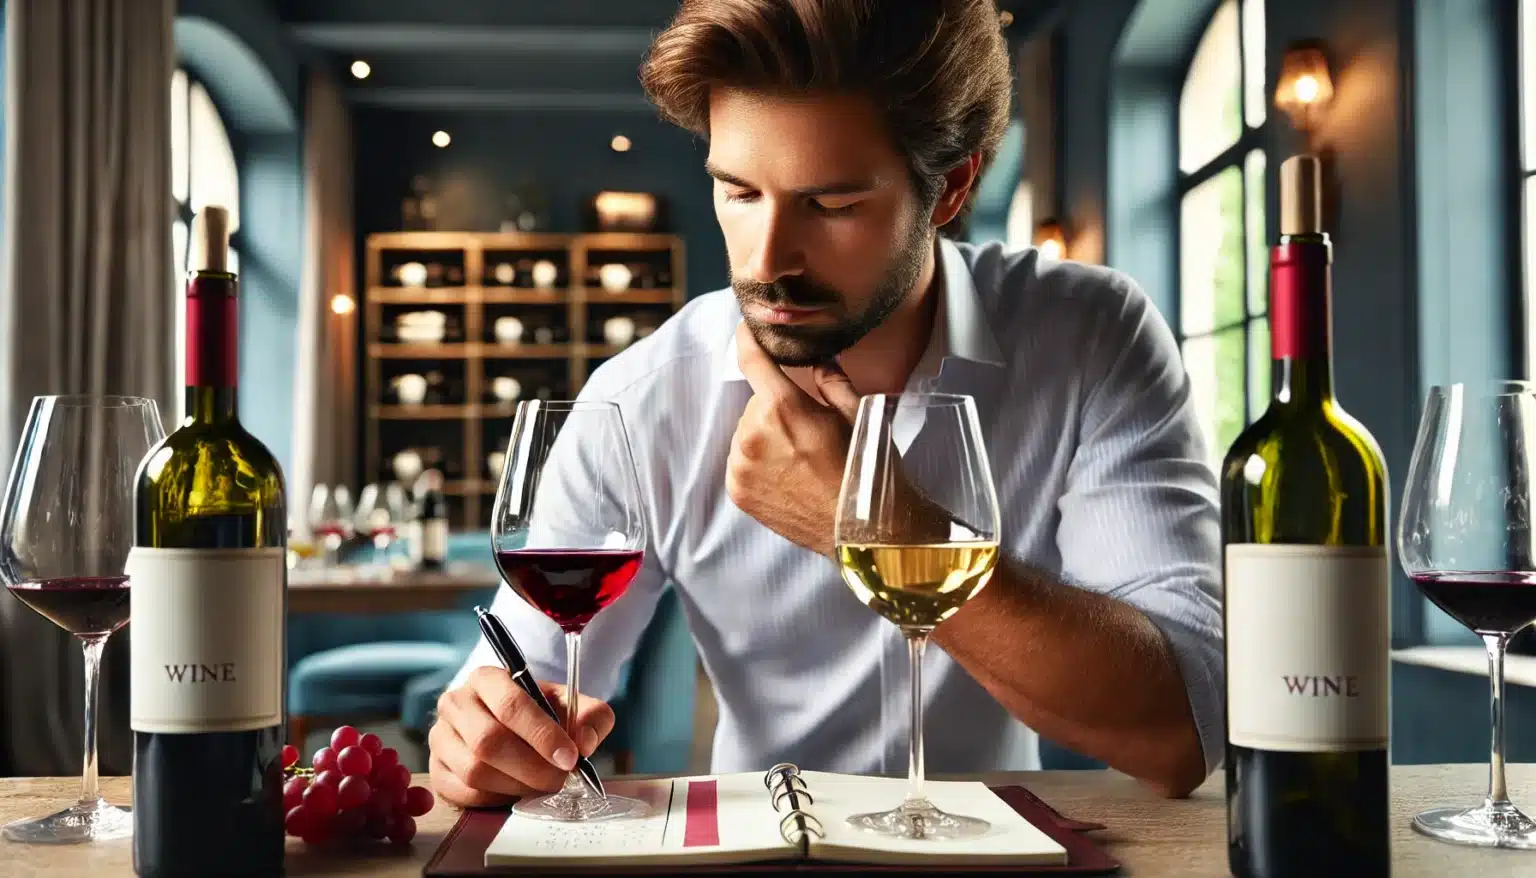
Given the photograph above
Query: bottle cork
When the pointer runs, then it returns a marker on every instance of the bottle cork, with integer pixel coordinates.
(210, 239)
(1301, 207)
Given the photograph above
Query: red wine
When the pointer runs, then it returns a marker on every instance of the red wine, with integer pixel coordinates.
(570, 586)
(83, 605)
(1488, 603)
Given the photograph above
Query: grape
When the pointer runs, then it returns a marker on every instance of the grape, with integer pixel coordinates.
(318, 831)
(322, 798)
(418, 801)
(382, 803)
(325, 758)
(290, 756)
(332, 779)
(355, 762)
(343, 737)
(354, 792)
(378, 825)
(349, 822)
(296, 821)
(385, 760)
(293, 791)
(397, 779)
(372, 743)
(403, 829)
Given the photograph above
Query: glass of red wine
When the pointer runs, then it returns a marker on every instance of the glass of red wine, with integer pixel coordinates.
(569, 534)
(65, 530)
(1465, 537)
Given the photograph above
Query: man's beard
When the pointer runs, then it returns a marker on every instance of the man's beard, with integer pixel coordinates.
(790, 345)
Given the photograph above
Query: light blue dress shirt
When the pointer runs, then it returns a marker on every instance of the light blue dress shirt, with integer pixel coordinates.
(1102, 481)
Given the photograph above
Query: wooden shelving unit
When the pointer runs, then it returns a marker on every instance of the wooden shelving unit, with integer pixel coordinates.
(456, 426)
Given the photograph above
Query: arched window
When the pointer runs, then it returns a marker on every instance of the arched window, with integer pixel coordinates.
(203, 171)
(1222, 325)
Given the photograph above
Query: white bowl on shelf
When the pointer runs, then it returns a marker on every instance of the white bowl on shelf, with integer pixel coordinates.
(544, 274)
(615, 277)
(506, 388)
(413, 274)
(509, 330)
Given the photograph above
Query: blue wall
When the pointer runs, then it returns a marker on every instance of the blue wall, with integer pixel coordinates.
(242, 52)
(567, 153)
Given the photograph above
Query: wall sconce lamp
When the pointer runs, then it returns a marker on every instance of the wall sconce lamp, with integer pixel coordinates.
(1051, 239)
(1305, 88)
(341, 303)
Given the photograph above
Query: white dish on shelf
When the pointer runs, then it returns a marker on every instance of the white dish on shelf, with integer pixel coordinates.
(506, 388)
(544, 274)
(509, 330)
(615, 277)
(411, 389)
(619, 331)
(413, 274)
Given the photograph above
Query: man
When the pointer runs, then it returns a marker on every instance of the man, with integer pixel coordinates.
(842, 134)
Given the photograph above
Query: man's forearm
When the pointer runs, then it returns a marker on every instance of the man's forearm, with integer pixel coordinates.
(1090, 673)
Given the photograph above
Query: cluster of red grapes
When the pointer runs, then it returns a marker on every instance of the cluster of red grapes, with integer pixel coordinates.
(357, 788)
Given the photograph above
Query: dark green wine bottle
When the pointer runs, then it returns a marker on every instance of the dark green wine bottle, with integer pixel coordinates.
(1304, 498)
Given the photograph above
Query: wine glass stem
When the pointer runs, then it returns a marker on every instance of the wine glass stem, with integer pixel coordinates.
(1497, 794)
(573, 782)
(916, 644)
(89, 790)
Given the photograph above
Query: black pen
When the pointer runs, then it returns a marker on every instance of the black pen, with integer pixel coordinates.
(500, 639)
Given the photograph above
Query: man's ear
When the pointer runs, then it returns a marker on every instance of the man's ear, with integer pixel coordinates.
(957, 187)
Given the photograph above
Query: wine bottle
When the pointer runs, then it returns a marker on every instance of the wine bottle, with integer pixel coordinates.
(428, 538)
(208, 606)
(1304, 498)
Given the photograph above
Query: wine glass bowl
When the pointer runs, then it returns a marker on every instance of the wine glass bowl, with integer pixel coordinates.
(1465, 538)
(568, 533)
(66, 528)
(916, 536)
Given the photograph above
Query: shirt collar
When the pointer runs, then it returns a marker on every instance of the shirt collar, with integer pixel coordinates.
(959, 329)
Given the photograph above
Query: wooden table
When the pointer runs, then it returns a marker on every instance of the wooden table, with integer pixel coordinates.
(352, 589)
(1149, 835)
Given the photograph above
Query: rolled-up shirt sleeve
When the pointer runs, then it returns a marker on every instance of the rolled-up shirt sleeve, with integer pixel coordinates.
(1140, 518)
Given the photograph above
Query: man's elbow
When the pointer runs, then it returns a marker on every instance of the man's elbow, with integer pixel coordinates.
(1183, 768)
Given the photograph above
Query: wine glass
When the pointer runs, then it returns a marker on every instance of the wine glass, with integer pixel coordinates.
(65, 531)
(569, 534)
(379, 510)
(330, 518)
(916, 537)
(1465, 537)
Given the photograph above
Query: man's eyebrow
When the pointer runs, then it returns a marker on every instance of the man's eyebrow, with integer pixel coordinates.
(849, 187)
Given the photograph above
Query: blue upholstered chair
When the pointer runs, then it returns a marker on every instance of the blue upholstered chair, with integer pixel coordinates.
(350, 668)
(1056, 757)
(653, 706)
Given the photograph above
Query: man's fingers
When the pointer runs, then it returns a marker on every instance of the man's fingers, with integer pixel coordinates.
(513, 708)
(837, 390)
(452, 790)
(765, 376)
(457, 758)
(594, 718)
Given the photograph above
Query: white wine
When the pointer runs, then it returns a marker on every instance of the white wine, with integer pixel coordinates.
(917, 587)
(209, 603)
(1304, 529)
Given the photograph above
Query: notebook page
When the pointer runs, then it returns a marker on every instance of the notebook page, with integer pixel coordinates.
(1011, 838)
(704, 819)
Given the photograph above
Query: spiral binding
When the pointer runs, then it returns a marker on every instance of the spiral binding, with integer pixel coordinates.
(785, 783)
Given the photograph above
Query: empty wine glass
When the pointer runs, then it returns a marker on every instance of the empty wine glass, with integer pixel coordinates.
(380, 509)
(66, 528)
(569, 535)
(1465, 537)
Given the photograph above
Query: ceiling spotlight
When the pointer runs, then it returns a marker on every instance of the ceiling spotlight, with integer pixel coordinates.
(620, 143)
(360, 69)
(441, 138)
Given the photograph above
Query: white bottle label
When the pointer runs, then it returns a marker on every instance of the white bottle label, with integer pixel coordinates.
(206, 652)
(434, 538)
(1308, 647)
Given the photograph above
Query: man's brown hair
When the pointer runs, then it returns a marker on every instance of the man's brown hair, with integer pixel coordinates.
(937, 69)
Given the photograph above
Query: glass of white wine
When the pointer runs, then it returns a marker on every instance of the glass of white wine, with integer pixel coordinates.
(916, 537)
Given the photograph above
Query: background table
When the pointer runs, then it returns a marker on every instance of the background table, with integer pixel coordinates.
(352, 589)
(1149, 835)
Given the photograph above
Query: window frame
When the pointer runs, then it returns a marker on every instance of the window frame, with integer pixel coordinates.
(1252, 138)
(1523, 212)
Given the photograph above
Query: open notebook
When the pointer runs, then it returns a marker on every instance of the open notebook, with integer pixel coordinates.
(790, 815)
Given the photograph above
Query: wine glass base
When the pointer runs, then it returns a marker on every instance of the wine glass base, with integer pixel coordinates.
(588, 808)
(1491, 826)
(919, 820)
(84, 822)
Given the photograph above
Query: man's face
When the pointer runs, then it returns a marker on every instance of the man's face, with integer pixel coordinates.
(822, 226)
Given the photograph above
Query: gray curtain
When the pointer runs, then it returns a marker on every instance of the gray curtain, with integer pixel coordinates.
(324, 412)
(86, 291)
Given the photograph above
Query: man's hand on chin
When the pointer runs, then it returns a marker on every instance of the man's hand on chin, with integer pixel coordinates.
(786, 462)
